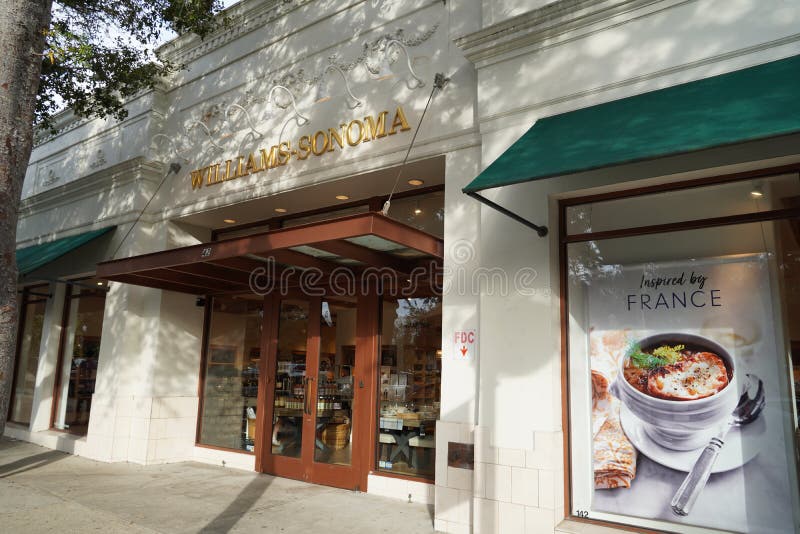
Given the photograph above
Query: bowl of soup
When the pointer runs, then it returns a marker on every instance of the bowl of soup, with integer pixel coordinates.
(681, 386)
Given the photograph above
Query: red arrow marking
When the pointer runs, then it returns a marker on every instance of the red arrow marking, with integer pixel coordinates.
(463, 350)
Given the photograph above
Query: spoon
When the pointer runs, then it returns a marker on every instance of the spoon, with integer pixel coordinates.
(747, 411)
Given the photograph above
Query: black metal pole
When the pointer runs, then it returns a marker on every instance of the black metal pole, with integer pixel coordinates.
(541, 230)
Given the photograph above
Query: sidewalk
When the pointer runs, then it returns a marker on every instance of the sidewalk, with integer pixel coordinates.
(42, 490)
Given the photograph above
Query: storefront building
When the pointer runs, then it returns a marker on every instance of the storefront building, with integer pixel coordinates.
(528, 291)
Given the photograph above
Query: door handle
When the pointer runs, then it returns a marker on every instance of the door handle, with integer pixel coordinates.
(305, 395)
(307, 405)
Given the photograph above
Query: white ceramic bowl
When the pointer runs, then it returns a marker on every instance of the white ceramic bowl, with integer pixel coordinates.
(680, 425)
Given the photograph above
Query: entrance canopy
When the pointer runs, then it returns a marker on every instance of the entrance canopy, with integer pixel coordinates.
(355, 246)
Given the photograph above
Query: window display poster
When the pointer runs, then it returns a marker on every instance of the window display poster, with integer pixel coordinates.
(674, 349)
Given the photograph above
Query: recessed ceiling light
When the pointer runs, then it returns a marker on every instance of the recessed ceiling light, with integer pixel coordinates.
(99, 283)
(229, 221)
(280, 210)
(342, 197)
(757, 192)
(417, 211)
(415, 181)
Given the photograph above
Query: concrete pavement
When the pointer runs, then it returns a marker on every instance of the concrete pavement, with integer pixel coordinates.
(42, 490)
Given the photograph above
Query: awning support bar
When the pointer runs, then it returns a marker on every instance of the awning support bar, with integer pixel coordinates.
(541, 230)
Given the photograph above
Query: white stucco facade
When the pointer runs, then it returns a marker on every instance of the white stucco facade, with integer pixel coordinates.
(509, 63)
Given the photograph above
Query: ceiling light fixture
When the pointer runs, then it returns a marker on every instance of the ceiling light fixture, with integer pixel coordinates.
(415, 182)
(99, 283)
(342, 197)
(757, 192)
(229, 221)
(280, 210)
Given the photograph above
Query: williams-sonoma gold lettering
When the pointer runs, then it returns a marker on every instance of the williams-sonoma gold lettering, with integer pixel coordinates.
(348, 134)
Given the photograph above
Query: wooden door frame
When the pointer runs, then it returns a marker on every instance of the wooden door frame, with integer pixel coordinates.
(367, 340)
(355, 475)
(266, 374)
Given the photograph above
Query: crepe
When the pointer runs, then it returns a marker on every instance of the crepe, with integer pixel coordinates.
(605, 350)
(613, 455)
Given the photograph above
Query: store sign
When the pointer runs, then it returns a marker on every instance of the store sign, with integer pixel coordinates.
(346, 135)
(672, 349)
(464, 344)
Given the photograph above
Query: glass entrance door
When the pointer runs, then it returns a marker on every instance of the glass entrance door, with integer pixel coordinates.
(335, 394)
(315, 362)
(290, 405)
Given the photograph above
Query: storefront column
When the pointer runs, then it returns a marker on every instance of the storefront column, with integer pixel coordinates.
(518, 439)
(144, 409)
(48, 358)
(454, 485)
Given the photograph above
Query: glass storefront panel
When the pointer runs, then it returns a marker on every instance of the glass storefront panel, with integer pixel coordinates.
(679, 343)
(324, 216)
(410, 385)
(696, 203)
(290, 379)
(27, 360)
(423, 212)
(333, 444)
(228, 415)
(83, 326)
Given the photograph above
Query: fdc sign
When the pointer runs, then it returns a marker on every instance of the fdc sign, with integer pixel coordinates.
(464, 344)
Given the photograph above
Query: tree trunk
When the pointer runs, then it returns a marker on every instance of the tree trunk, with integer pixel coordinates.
(22, 40)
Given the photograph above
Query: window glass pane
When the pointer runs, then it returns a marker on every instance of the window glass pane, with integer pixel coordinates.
(229, 234)
(290, 379)
(410, 385)
(424, 212)
(719, 200)
(335, 381)
(230, 389)
(81, 351)
(28, 356)
(667, 334)
(308, 219)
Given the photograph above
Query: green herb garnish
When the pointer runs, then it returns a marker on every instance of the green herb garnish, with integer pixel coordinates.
(670, 354)
(663, 355)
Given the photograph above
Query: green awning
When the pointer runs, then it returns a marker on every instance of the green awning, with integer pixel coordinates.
(31, 258)
(745, 105)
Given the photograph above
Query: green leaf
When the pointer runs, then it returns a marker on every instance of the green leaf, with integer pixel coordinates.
(661, 356)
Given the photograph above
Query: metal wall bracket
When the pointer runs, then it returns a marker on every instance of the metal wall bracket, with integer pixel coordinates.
(541, 230)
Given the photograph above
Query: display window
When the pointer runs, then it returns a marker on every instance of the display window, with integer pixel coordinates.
(230, 373)
(410, 374)
(423, 212)
(681, 331)
(34, 301)
(80, 353)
